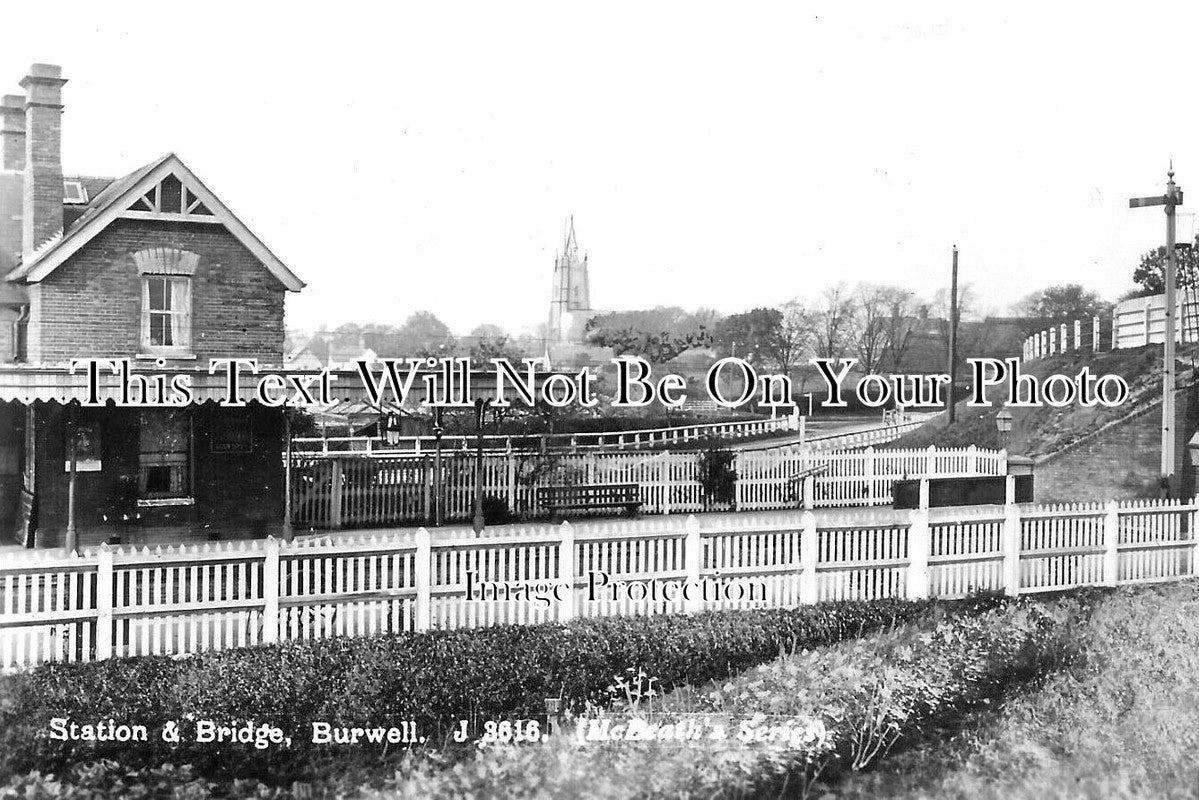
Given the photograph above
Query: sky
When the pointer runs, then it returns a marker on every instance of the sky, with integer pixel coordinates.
(426, 156)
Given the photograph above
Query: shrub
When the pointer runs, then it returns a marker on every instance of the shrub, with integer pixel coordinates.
(717, 475)
(866, 694)
(435, 678)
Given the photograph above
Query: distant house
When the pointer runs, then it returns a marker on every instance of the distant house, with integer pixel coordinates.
(153, 267)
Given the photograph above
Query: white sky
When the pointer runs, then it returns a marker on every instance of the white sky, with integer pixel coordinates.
(406, 156)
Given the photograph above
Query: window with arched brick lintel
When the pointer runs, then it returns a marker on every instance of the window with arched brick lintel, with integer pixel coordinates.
(166, 274)
(166, 261)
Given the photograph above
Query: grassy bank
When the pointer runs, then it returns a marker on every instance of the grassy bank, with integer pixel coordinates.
(1123, 722)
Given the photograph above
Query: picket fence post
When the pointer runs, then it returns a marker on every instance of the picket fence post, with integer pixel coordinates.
(1077, 334)
(422, 572)
(972, 460)
(1111, 542)
(1194, 534)
(693, 561)
(869, 471)
(919, 544)
(335, 495)
(566, 571)
(809, 558)
(1011, 550)
(270, 591)
(923, 493)
(104, 570)
(809, 492)
(1095, 333)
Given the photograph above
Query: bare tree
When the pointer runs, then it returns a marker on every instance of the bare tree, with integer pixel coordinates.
(794, 336)
(967, 303)
(834, 316)
(901, 324)
(879, 313)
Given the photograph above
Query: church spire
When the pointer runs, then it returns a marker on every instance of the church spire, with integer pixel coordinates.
(572, 246)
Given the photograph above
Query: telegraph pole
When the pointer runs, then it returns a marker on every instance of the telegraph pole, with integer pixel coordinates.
(953, 337)
(1171, 200)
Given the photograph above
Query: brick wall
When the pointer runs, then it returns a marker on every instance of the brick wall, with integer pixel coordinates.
(1123, 461)
(91, 305)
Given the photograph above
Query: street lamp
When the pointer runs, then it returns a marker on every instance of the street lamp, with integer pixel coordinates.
(1003, 423)
(481, 406)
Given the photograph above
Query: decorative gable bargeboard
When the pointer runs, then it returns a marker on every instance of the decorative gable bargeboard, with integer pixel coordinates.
(156, 267)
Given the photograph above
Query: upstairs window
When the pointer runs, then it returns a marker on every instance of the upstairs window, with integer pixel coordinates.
(166, 275)
(166, 314)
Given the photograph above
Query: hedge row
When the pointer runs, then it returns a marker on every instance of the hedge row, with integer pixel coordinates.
(866, 695)
(434, 678)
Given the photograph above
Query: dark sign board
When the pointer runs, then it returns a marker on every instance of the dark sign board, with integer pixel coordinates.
(977, 490)
(232, 433)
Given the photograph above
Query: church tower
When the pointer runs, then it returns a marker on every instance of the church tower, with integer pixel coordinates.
(570, 302)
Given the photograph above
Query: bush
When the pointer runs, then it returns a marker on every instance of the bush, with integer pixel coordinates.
(865, 694)
(496, 511)
(717, 475)
(434, 678)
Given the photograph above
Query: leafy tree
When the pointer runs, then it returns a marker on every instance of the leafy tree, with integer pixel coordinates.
(1064, 302)
(1150, 274)
(424, 335)
(657, 334)
(752, 335)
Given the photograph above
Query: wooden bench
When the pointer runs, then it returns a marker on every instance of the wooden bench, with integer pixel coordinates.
(556, 499)
(796, 481)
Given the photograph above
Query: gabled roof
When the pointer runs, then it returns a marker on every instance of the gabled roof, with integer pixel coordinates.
(116, 198)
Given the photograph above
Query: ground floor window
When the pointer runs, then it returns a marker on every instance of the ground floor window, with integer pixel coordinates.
(164, 453)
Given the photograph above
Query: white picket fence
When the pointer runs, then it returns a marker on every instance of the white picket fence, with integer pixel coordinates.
(881, 434)
(647, 438)
(1139, 321)
(1068, 337)
(359, 491)
(169, 601)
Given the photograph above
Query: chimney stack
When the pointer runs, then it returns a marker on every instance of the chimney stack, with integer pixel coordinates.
(12, 132)
(42, 217)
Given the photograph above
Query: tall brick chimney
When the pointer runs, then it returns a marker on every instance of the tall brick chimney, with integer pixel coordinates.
(12, 132)
(42, 208)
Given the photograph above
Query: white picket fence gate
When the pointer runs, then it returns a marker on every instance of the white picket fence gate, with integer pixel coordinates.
(123, 602)
(359, 491)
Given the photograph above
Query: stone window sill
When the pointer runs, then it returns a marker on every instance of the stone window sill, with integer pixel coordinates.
(163, 502)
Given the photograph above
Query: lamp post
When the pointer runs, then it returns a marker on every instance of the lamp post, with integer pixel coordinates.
(1003, 423)
(481, 406)
(1193, 450)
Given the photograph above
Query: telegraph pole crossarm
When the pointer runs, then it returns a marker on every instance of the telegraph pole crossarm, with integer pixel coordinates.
(1169, 201)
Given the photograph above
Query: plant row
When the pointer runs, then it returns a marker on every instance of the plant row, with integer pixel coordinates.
(432, 679)
(864, 696)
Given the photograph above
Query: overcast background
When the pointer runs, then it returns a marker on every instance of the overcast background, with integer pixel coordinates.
(402, 157)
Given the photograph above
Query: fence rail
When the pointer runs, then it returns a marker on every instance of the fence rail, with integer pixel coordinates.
(601, 440)
(361, 491)
(647, 439)
(117, 602)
